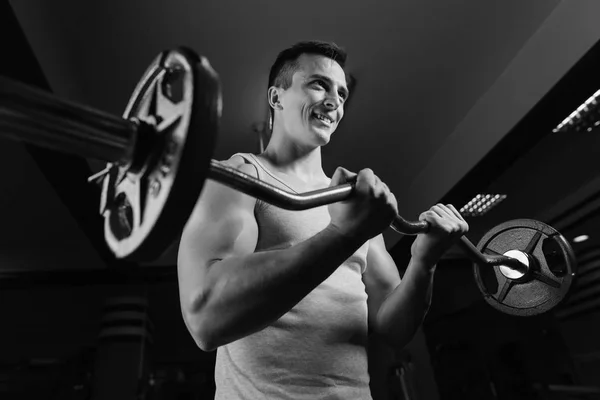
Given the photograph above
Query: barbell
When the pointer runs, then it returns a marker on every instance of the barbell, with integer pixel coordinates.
(159, 154)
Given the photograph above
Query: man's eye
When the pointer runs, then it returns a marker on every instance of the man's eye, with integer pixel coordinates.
(320, 83)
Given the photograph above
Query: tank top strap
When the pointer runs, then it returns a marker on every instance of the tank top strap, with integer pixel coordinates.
(263, 173)
(249, 159)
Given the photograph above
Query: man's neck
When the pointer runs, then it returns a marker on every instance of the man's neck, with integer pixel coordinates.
(294, 160)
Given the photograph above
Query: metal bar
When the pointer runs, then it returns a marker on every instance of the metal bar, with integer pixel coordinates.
(490, 259)
(470, 249)
(40, 118)
(271, 194)
(297, 201)
(66, 173)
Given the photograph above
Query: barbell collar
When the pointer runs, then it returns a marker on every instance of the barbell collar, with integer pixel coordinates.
(37, 117)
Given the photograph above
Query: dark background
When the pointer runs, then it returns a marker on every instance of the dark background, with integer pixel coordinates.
(484, 113)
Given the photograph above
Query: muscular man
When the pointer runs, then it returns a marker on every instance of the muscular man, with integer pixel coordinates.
(288, 299)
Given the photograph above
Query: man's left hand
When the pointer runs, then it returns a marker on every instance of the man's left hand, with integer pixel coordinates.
(446, 226)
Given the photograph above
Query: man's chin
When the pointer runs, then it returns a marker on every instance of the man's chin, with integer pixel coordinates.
(323, 135)
(322, 139)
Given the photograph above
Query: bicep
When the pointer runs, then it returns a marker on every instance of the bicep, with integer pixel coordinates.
(222, 225)
(381, 276)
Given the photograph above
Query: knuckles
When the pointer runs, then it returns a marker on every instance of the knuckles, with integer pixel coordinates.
(371, 188)
(445, 220)
(367, 171)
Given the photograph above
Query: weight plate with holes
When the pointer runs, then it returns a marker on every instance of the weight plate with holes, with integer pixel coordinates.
(147, 202)
(552, 268)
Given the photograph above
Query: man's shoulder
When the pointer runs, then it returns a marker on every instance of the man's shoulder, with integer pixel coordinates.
(241, 162)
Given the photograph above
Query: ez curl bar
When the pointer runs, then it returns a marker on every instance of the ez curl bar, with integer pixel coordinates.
(160, 153)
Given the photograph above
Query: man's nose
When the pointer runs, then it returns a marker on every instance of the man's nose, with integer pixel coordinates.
(332, 101)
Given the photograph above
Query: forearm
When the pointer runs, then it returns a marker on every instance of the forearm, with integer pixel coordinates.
(404, 310)
(242, 295)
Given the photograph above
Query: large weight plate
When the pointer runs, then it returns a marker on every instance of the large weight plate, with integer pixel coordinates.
(147, 202)
(551, 274)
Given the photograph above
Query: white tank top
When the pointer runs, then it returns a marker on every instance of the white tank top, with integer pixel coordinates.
(318, 350)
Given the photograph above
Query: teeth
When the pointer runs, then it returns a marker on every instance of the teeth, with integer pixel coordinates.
(323, 118)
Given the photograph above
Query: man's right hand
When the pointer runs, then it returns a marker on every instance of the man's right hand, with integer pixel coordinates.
(370, 209)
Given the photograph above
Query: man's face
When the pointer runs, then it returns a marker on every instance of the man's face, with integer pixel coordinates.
(314, 105)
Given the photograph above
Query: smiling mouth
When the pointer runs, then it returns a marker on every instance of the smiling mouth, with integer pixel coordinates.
(323, 119)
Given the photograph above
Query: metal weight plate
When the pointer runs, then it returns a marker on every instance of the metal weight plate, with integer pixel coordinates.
(552, 269)
(147, 202)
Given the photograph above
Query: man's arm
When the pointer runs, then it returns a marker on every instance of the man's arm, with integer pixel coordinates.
(396, 307)
(227, 291)
(399, 309)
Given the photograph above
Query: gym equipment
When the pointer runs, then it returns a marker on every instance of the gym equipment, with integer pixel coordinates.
(159, 155)
(156, 169)
(551, 266)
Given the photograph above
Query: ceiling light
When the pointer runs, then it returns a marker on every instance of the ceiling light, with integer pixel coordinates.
(481, 204)
(583, 118)
(580, 238)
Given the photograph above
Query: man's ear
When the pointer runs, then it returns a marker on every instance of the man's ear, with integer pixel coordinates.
(275, 98)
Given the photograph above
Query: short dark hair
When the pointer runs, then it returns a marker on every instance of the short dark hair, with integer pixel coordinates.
(286, 64)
